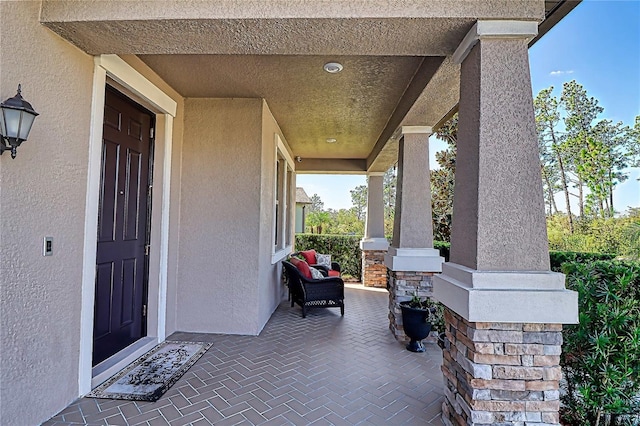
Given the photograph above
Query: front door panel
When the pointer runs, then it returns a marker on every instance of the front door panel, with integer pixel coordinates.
(122, 225)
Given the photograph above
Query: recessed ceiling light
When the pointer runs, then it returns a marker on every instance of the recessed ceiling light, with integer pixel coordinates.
(332, 140)
(333, 67)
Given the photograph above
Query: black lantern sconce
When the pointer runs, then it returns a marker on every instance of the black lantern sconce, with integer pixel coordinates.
(16, 119)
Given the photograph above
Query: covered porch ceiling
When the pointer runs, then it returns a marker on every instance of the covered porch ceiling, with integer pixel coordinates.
(396, 58)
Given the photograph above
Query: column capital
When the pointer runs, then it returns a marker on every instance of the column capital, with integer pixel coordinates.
(375, 174)
(494, 30)
(422, 130)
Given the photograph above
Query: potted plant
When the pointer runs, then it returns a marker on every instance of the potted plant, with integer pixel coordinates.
(415, 320)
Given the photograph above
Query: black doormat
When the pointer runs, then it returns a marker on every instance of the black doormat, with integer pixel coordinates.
(151, 375)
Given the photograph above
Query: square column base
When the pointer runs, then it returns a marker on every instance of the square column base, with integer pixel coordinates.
(414, 259)
(410, 272)
(374, 272)
(500, 373)
(381, 244)
(402, 286)
(506, 296)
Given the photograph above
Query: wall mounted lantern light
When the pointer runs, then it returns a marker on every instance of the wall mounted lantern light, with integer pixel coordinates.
(16, 119)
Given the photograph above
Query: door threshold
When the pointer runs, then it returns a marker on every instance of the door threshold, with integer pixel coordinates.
(117, 362)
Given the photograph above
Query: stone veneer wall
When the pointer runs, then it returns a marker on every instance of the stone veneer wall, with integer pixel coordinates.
(501, 373)
(374, 271)
(402, 286)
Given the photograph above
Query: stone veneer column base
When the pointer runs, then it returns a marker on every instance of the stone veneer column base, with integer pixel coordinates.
(374, 271)
(501, 373)
(402, 286)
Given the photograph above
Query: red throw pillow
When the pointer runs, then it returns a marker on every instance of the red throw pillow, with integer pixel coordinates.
(310, 256)
(294, 261)
(302, 266)
(333, 273)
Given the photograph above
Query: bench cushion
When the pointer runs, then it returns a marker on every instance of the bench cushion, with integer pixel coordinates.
(302, 266)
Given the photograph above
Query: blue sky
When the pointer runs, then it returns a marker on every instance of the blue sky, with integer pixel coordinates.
(598, 45)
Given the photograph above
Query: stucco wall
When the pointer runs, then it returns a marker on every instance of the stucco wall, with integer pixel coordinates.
(412, 225)
(220, 216)
(270, 290)
(499, 223)
(42, 193)
(464, 249)
(174, 209)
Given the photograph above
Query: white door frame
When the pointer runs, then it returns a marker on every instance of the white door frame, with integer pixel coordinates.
(116, 69)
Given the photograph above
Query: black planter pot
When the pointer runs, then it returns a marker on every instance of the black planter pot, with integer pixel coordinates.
(442, 340)
(416, 326)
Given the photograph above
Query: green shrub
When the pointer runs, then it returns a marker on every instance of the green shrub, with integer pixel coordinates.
(601, 357)
(344, 249)
(630, 245)
(619, 235)
(557, 258)
(436, 318)
(444, 248)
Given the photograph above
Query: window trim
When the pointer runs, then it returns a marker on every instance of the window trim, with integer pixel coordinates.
(281, 231)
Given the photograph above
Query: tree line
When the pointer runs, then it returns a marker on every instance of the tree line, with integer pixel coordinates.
(578, 151)
(351, 221)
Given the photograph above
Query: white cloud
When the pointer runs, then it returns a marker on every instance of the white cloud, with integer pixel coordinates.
(560, 72)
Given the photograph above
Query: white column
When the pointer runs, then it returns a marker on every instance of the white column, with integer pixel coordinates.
(374, 238)
(412, 246)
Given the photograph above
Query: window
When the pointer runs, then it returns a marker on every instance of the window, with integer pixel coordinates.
(280, 215)
(291, 207)
(284, 207)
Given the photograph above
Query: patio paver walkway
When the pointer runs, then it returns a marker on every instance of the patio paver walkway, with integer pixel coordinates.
(322, 370)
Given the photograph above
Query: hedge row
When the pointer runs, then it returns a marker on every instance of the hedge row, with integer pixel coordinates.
(559, 257)
(345, 249)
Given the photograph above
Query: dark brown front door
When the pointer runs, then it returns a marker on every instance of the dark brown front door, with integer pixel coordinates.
(120, 298)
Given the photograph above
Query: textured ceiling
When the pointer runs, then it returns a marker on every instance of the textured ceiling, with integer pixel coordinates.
(393, 36)
(393, 52)
(284, 27)
(310, 105)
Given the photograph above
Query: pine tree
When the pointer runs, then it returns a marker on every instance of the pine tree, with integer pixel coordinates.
(552, 149)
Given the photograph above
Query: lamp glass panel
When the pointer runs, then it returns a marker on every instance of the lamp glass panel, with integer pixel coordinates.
(3, 128)
(11, 122)
(25, 125)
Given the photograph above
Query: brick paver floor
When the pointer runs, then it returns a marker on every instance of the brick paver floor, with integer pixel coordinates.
(322, 370)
